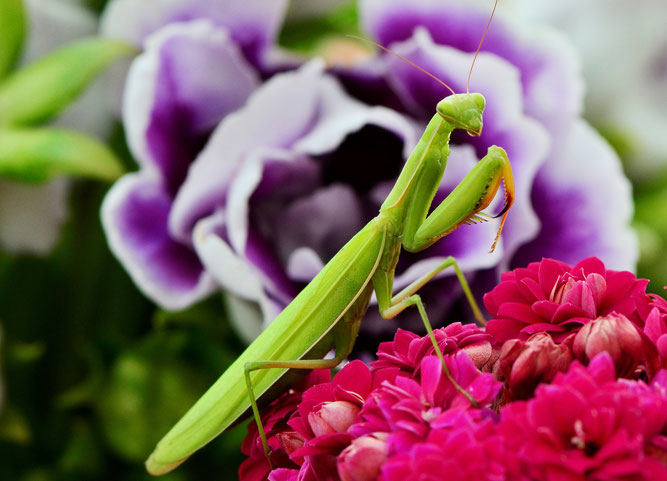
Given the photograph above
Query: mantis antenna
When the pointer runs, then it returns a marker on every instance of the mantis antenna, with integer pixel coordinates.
(421, 69)
(479, 47)
(504, 212)
(410, 62)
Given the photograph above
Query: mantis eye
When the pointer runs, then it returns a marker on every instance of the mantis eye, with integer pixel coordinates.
(479, 100)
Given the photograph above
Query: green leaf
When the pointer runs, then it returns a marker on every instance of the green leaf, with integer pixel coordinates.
(149, 389)
(41, 90)
(305, 35)
(38, 154)
(12, 33)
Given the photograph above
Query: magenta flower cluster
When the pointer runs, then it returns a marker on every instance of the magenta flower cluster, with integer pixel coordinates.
(569, 380)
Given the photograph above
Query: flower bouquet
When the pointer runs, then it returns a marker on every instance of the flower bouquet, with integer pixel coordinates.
(569, 381)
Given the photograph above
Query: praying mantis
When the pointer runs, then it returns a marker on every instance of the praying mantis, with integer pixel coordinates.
(327, 313)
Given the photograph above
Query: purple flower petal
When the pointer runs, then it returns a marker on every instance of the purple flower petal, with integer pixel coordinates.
(324, 221)
(134, 216)
(190, 77)
(253, 24)
(301, 111)
(275, 116)
(234, 272)
(303, 264)
(553, 89)
(585, 203)
(340, 115)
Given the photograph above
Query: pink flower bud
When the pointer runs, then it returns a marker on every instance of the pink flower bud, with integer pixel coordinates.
(290, 441)
(524, 364)
(332, 417)
(362, 460)
(615, 335)
(656, 330)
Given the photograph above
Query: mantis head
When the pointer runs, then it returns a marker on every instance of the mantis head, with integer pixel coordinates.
(463, 111)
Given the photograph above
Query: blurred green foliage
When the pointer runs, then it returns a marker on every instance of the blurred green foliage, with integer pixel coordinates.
(305, 35)
(34, 94)
(651, 225)
(94, 374)
(12, 33)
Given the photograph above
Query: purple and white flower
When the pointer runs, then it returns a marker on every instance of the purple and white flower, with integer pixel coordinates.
(253, 186)
(190, 76)
(193, 97)
(252, 26)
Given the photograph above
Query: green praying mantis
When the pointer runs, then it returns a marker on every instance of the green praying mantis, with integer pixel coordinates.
(327, 313)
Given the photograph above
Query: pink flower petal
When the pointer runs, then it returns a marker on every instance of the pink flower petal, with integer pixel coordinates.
(504, 329)
(518, 311)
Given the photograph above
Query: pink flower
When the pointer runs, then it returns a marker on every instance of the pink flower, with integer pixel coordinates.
(586, 425)
(408, 349)
(471, 450)
(525, 364)
(332, 417)
(345, 394)
(575, 342)
(405, 408)
(274, 419)
(324, 415)
(615, 335)
(554, 297)
(656, 326)
(363, 459)
(284, 474)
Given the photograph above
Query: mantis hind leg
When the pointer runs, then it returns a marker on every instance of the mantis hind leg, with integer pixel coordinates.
(419, 283)
(392, 306)
(415, 300)
(298, 364)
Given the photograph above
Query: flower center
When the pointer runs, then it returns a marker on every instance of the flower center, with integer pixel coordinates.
(579, 440)
(563, 285)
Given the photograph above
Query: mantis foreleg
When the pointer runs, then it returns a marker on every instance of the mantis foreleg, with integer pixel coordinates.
(474, 193)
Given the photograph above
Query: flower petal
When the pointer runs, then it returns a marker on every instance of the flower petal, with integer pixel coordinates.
(233, 272)
(190, 77)
(134, 216)
(585, 203)
(553, 88)
(275, 116)
(253, 24)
